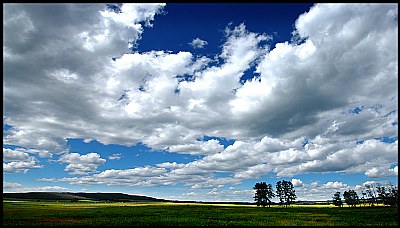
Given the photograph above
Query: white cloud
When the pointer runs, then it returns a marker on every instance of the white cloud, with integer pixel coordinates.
(336, 185)
(20, 166)
(314, 184)
(133, 13)
(378, 172)
(11, 187)
(18, 160)
(44, 50)
(14, 155)
(21, 153)
(394, 170)
(82, 164)
(49, 189)
(171, 165)
(346, 156)
(115, 157)
(64, 75)
(255, 171)
(141, 176)
(297, 183)
(17, 187)
(140, 172)
(59, 87)
(189, 194)
(198, 43)
(201, 148)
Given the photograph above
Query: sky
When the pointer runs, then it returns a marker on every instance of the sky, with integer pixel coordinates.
(200, 101)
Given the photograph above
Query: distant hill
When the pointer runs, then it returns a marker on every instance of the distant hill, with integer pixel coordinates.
(70, 196)
(116, 197)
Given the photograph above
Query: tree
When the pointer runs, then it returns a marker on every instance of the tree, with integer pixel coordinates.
(382, 194)
(263, 194)
(337, 201)
(285, 192)
(350, 197)
(393, 196)
(260, 195)
(363, 197)
(371, 194)
(389, 195)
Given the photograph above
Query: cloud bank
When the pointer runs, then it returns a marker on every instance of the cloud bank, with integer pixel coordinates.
(319, 103)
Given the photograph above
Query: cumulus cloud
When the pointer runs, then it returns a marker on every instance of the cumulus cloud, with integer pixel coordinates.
(11, 187)
(255, 171)
(348, 157)
(18, 160)
(21, 166)
(141, 176)
(336, 185)
(82, 164)
(377, 172)
(198, 43)
(171, 165)
(17, 187)
(14, 155)
(50, 58)
(297, 183)
(200, 147)
(293, 117)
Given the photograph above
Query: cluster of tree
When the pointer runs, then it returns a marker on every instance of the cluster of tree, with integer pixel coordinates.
(386, 195)
(284, 191)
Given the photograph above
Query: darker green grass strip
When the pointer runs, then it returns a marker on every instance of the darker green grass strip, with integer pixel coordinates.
(60, 214)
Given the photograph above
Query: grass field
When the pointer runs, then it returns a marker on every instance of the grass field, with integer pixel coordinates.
(190, 214)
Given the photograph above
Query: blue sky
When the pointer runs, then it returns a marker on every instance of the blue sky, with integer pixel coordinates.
(196, 101)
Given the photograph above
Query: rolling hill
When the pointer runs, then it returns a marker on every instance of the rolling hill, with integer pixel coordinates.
(70, 196)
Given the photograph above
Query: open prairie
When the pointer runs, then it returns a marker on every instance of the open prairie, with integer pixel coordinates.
(90, 213)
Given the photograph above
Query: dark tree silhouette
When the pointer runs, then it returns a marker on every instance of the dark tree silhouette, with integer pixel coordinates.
(285, 192)
(371, 194)
(393, 196)
(363, 197)
(382, 194)
(337, 201)
(388, 195)
(350, 197)
(263, 194)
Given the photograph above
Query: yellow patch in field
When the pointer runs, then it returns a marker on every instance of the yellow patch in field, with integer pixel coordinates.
(314, 215)
(284, 222)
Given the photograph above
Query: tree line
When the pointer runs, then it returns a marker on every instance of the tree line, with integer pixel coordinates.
(371, 195)
(284, 191)
(386, 195)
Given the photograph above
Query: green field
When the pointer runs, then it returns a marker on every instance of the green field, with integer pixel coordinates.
(190, 214)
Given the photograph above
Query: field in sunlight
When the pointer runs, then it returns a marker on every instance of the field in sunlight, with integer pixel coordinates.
(190, 214)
